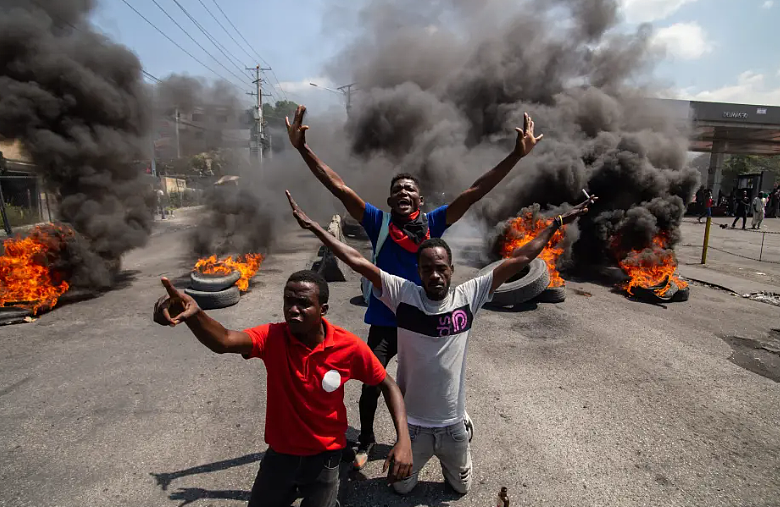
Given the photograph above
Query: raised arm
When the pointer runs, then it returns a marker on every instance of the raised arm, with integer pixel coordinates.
(488, 181)
(523, 255)
(327, 176)
(346, 253)
(178, 307)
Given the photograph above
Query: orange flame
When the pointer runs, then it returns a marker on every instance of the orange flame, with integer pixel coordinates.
(26, 278)
(651, 267)
(526, 227)
(247, 265)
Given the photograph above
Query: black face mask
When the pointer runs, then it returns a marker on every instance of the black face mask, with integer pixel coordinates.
(415, 226)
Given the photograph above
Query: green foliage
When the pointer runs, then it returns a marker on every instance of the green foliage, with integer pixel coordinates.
(187, 197)
(274, 118)
(734, 165)
(18, 215)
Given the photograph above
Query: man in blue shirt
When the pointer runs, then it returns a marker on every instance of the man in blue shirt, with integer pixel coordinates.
(405, 230)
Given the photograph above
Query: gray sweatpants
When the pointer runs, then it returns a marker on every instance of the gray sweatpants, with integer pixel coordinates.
(451, 445)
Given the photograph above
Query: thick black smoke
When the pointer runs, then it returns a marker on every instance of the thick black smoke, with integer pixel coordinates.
(77, 103)
(445, 83)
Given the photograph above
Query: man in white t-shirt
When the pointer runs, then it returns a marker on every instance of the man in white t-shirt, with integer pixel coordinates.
(434, 321)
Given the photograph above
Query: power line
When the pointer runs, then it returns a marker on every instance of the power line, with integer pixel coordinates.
(151, 76)
(178, 45)
(250, 46)
(211, 38)
(194, 40)
(226, 30)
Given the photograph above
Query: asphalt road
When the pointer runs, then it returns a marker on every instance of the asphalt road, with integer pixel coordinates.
(597, 401)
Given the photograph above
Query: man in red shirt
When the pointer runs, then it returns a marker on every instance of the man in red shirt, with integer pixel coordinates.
(308, 360)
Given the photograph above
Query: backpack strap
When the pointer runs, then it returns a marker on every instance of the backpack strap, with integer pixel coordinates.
(384, 231)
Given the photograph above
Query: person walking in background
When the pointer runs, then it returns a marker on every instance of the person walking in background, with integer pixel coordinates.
(759, 210)
(707, 202)
(741, 209)
(161, 203)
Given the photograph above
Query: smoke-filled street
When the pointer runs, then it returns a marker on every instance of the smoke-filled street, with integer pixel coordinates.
(600, 400)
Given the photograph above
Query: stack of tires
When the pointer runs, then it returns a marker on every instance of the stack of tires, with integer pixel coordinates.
(214, 291)
(530, 285)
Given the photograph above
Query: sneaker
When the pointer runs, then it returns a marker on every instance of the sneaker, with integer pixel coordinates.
(361, 456)
(469, 425)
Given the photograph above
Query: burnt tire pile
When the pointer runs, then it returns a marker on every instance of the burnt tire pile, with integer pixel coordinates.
(530, 285)
(214, 291)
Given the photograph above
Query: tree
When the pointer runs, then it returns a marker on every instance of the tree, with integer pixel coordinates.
(274, 120)
(734, 165)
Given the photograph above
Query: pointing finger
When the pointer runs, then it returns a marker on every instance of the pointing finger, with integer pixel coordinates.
(287, 122)
(170, 288)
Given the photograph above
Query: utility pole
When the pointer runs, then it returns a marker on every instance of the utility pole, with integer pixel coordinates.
(178, 144)
(347, 91)
(6, 223)
(257, 150)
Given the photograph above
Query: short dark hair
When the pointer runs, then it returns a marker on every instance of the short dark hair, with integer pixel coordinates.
(404, 176)
(434, 243)
(309, 276)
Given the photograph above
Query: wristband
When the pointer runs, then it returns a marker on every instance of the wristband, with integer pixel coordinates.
(559, 221)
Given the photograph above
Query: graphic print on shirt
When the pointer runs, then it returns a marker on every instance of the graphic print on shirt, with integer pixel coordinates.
(449, 323)
(331, 381)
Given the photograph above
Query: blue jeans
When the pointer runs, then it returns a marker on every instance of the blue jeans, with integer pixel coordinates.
(451, 445)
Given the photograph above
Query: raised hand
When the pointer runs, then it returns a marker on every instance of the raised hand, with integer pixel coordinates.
(525, 137)
(304, 221)
(578, 210)
(175, 307)
(297, 131)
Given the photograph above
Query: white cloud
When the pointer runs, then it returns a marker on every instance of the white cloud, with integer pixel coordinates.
(750, 88)
(645, 11)
(686, 41)
(768, 4)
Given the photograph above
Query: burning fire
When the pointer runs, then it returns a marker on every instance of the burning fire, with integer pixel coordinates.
(247, 265)
(26, 277)
(652, 267)
(523, 229)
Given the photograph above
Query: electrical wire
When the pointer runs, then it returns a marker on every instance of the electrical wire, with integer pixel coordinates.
(231, 58)
(155, 2)
(250, 47)
(177, 44)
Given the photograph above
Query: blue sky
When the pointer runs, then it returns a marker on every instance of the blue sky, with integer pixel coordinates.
(716, 49)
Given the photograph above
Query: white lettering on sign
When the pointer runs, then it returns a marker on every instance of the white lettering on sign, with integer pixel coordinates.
(761, 110)
(729, 114)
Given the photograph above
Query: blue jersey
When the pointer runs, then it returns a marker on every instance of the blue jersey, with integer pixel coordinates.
(394, 259)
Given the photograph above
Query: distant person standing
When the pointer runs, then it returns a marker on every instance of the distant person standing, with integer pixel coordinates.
(741, 209)
(707, 202)
(161, 203)
(759, 210)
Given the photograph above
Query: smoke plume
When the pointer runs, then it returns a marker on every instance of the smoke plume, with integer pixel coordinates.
(443, 85)
(77, 103)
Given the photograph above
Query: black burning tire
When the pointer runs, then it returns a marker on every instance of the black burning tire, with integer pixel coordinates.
(525, 286)
(648, 293)
(552, 295)
(13, 315)
(212, 283)
(682, 295)
(214, 300)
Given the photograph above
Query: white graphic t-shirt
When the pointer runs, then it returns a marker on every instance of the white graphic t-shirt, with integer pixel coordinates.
(432, 343)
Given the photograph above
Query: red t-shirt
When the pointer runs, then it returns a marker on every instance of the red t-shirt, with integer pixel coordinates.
(305, 412)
